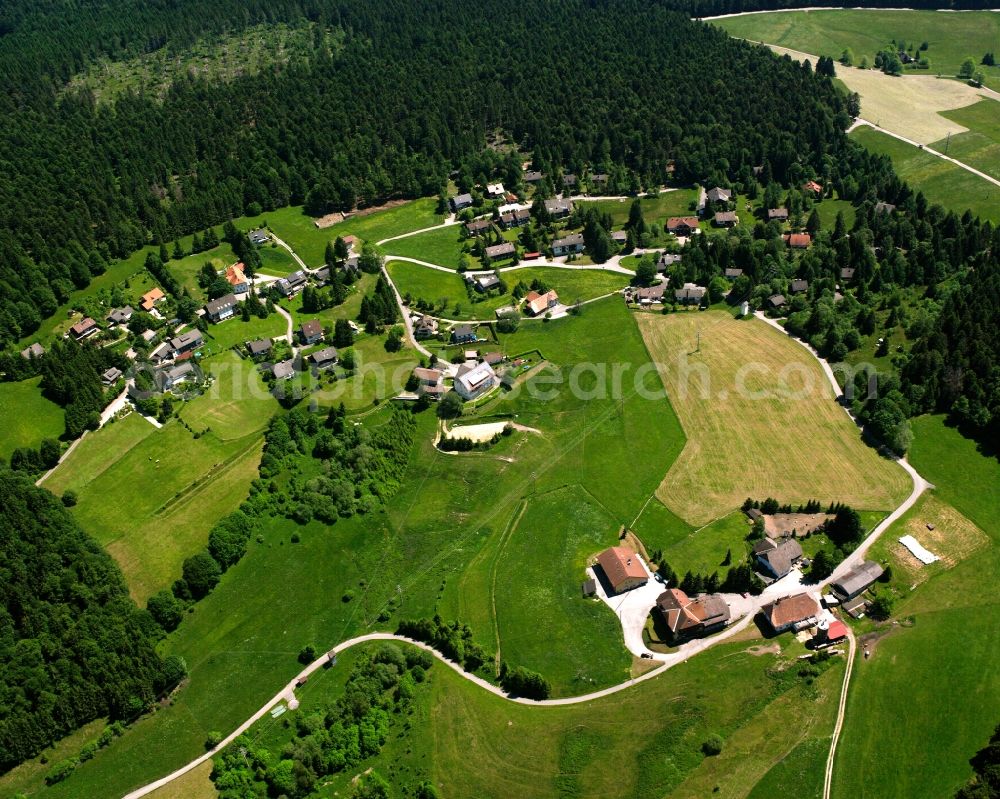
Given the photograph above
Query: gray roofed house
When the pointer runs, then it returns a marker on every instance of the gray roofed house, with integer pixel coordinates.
(777, 214)
(186, 341)
(599, 178)
(36, 350)
(650, 294)
(778, 557)
(120, 316)
(172, 376)
(516, 218)
(884, 208)
(291, 285)
(718, 195)
(666, 260)
(322, 275)
(732, 273)
(111, 375)
(776, 300)
(569, 180)
(690, 294)
(258, 237)
(857, 580)
(558, 208)
(619, 237)
(460, 201)
(283, 370)
(847, 273)
(500, 251)
(725, 219)
(484, 282)
(324, 358)
(463, 333)
(425, 327)
(799, 286)
(568, 244)
(477, 226)
(261, 346)
(221, 309)
(533, 176)
(475, 381)
(161, 353)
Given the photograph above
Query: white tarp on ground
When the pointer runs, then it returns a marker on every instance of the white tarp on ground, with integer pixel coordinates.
(921, 554)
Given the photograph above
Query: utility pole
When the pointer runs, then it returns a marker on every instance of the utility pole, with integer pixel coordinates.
(947, 142)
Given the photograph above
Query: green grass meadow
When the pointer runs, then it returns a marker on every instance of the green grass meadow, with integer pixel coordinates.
(442, 247)
(941, 182)
(28, 417)
(979, 147)
(929, 696)
(679, 202)
(151, 496)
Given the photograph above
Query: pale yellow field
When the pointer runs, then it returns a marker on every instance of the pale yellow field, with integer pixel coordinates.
(760, 421)
(907, 104)
(193, 785)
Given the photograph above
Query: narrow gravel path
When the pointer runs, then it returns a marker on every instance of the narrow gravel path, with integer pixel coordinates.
(839, 724)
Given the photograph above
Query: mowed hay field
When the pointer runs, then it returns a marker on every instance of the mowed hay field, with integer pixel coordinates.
(760, 420)
(912, 105)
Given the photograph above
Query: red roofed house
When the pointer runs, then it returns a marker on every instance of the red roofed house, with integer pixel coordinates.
(623, 568)
(682, 225)
(791, 611)
(535, 303)
(688, 618)
(799, 241)
(351, 241)
(813, 186)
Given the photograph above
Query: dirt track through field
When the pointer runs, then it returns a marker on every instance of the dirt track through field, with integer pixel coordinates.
(754, 406)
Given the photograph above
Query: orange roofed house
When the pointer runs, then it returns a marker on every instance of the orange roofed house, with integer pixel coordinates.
(150, 298)
(535, 303)
(237, 278)
(623, 569)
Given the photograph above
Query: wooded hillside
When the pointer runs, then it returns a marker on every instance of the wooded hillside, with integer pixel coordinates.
(73, 645)
(413, 93)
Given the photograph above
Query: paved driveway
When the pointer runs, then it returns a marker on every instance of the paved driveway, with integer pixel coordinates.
(633, 608)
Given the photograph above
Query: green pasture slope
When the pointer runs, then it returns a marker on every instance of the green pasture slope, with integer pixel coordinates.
(978, 147)
(151, 496)
(447, 291)
(929, 697)
(952, 37)
(27, 416)
(241, 642)
(941, 181)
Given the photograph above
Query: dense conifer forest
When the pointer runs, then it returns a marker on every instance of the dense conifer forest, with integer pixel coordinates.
(73, 645)
(415, 92)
